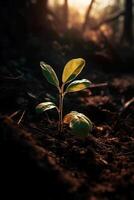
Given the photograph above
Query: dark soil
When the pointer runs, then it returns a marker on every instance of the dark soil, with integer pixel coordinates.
(37, 160)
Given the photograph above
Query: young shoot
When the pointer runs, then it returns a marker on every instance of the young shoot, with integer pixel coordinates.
(78, 122)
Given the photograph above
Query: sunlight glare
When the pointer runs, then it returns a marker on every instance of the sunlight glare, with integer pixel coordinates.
(79, 4)
(83, 4)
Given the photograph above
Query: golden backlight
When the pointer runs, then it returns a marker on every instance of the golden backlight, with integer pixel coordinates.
(82, 5)
(77, 13)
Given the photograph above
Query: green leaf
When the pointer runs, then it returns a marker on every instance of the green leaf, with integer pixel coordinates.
(78, 85)
(72, 69)
(79, 123)
(69, 117)
(45, 106)
(86, 118)
(80, 127)
(49, 74)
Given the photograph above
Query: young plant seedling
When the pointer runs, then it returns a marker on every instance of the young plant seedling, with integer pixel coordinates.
(78, 122)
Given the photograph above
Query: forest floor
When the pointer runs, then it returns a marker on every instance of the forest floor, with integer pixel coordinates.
(99, 167)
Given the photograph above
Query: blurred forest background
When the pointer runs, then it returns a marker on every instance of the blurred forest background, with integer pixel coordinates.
(55, 31)
(101, 31)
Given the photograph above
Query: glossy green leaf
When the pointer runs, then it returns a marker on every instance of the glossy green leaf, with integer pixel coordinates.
(69, 117)
(78, 85)
(72, 69)
(49, 74)
(45, 106)
(80, 127)
(79, 123)
(86, 118)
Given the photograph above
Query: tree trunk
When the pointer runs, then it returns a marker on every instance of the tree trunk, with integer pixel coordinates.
(42, 9)
(87, 16)
(128, 22)
(38, 15)
(65, 15)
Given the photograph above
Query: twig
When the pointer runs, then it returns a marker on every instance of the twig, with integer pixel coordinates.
(125, 107)
(12, 78)
(13, 114)
(128, 103)
(99, 85)
(21, 117)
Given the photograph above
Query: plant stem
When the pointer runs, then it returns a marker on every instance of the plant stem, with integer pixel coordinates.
(61, 97)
